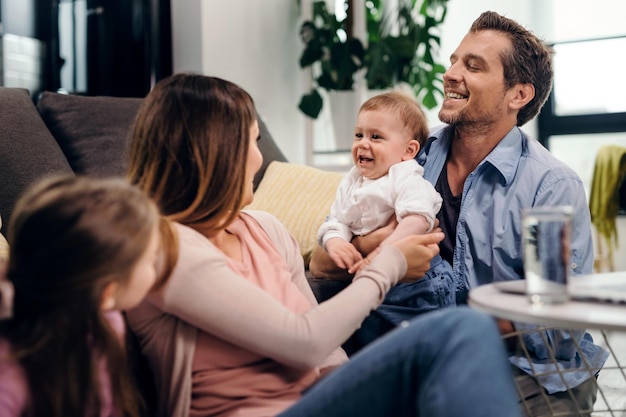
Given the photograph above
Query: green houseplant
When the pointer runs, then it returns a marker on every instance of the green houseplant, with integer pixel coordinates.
(340, 56)
(403, 44)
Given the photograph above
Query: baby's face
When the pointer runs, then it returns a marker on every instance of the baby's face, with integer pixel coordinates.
(380, 141)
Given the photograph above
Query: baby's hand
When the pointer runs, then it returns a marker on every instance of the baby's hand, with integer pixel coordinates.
(363, 262)
(343, 253)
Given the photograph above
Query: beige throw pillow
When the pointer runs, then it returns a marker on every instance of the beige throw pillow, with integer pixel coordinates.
(300, 197)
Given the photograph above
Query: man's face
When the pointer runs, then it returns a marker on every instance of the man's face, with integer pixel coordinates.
(475, 92)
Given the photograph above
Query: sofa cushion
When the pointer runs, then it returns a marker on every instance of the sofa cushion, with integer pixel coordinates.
(269, 150)
(91, 131)
(28, 151)
(300, 197)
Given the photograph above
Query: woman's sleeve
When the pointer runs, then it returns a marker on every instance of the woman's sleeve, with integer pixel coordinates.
(209, 295)
(288, 246)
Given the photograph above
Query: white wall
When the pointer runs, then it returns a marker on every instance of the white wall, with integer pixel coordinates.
(254, 44)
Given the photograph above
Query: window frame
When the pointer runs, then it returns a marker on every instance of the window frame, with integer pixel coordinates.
(550, 124)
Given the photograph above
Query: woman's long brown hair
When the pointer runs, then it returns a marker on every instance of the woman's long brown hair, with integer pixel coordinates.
(189, 148)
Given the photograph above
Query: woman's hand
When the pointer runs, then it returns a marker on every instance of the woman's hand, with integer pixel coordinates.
(419, 250)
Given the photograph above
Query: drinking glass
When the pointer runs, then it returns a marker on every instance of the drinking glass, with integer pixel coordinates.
(546, 252)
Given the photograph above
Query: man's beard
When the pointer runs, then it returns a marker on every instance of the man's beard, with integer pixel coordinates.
(461, 121)
(463, 118)
(451, 118)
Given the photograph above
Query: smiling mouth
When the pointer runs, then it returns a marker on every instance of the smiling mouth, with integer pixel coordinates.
(456, 96)
(364, 160)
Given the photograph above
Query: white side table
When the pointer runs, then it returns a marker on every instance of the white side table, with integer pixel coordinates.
(607, 322)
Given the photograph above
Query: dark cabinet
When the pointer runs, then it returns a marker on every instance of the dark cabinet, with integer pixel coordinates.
(128, 46)
(96, 47)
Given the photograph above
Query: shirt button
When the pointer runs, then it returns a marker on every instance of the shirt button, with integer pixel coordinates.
(574, 265)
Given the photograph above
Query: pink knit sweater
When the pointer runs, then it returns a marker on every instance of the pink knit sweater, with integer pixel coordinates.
(244, 340)
(14, 391)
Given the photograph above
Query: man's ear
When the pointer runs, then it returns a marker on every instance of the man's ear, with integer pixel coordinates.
(412, 148)
(107, 299)
(523, 94)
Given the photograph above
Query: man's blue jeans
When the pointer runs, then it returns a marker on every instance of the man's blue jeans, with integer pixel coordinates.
(446, 363)
(435, 291)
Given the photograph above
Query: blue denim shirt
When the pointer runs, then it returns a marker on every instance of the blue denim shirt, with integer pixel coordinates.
(518, 173)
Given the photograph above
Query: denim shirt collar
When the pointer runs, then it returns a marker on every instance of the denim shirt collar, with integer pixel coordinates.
(504, 157)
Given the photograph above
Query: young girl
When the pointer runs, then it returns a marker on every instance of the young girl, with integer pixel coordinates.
(80, 250)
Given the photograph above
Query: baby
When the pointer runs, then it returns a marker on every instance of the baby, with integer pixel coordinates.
(386, 180)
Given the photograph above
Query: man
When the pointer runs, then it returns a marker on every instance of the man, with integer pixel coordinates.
(487, 170)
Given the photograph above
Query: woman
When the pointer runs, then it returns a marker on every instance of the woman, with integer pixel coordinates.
(81, 249)
(236, 330)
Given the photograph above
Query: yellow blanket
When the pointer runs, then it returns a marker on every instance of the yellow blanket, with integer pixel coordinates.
(608, 175)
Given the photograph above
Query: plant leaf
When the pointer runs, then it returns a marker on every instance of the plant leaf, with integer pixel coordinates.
(311, 104)
(311, 53)
(429, 100)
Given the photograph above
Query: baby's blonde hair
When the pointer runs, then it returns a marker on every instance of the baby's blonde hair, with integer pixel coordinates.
(406, 109)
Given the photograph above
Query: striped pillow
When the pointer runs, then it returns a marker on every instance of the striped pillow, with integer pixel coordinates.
(300, 197)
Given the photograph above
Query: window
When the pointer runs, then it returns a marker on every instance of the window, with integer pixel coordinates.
(586, 96)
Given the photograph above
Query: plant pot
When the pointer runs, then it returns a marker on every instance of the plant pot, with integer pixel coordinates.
(344, 106)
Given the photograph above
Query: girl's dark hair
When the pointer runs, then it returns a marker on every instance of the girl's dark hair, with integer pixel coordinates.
(189, 149)
(69, 238)
(528, 61)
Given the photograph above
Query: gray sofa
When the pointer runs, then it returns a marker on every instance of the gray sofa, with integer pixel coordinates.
(70, 134)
